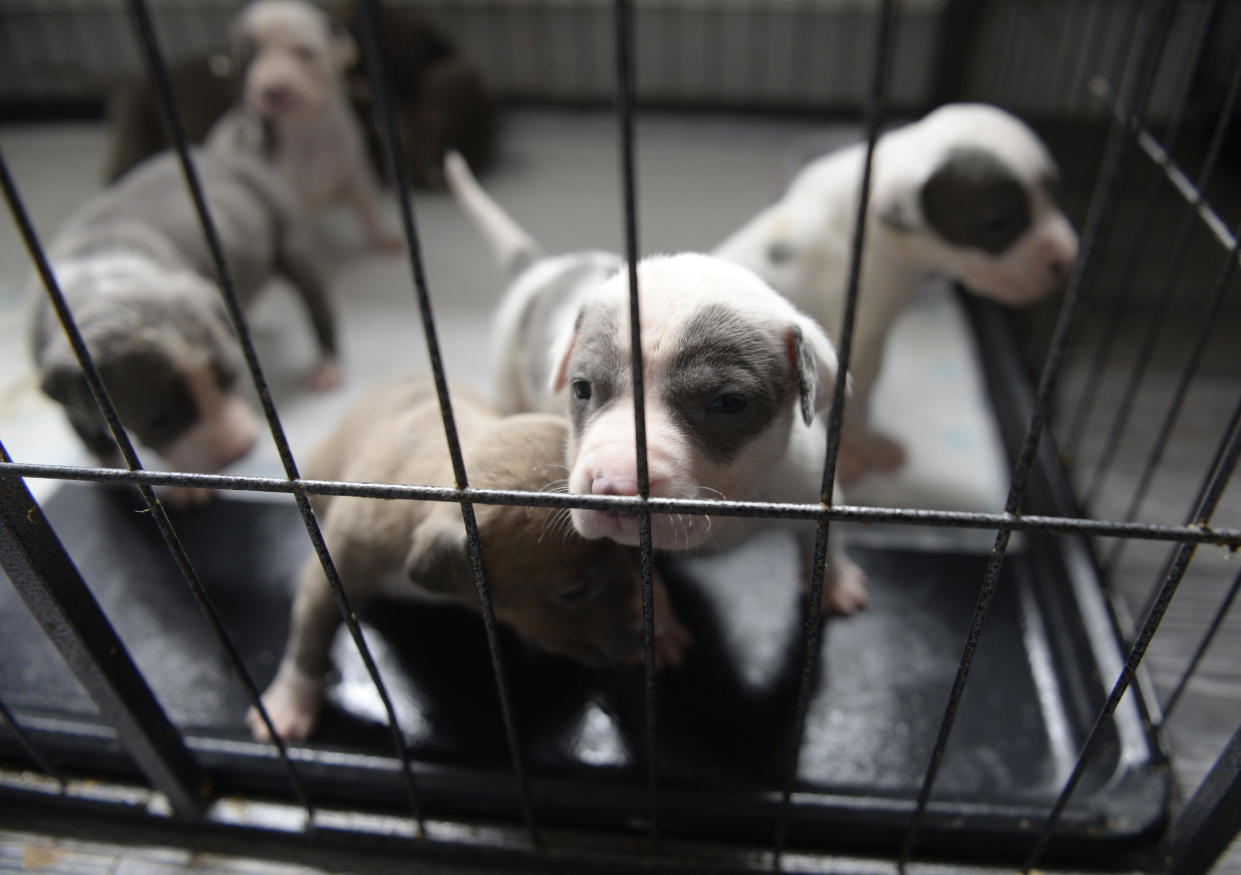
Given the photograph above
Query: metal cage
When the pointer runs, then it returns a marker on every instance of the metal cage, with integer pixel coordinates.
(134, 774)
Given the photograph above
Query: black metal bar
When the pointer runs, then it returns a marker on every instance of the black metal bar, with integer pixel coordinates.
(50, 585)
(1217, 480)
(1209, 636)
(42, 763)
(1158, 313)
(1111, 326)
(884, 29)
(108, 410)
(1097, 226)
(1228, 538)
(1211, 819)
(158, 71)
(625, 99)
(1179, 394)
(394, 155)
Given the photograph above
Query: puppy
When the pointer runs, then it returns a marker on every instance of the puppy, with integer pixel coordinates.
(965, 192)
(570, 596)
(137, 274)
(736, 378)
(295, 110)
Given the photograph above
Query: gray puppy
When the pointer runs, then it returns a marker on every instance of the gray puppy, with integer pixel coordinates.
(137, 274)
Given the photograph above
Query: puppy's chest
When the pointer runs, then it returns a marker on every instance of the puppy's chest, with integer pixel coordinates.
(321, 160)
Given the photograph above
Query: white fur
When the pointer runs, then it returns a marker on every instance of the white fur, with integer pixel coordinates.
(814, 221)
(534, 336)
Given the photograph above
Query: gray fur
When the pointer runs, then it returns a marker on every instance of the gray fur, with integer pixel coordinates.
(973, 200)
(139, 331)
(597, 360)
(721, 356)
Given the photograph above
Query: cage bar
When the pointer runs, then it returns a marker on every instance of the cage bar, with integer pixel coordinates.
(396, 166)
(48, 582)
(158, 70)
(1097, 227)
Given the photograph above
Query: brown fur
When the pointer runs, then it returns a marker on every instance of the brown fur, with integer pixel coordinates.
(569, 596)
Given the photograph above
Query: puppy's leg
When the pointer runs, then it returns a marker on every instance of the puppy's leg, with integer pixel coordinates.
(297, 261)
(379, 239)
(861, 449)
(844, 582)
(295, 696)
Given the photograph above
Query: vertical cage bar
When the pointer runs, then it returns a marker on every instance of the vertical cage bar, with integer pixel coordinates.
(394, 154)
(1211, 819)
(1209, 636)
(1213, 488)
(108, 410)
(1180, 250)
(1179, 394)
(624, 36)
(1111, 327)
(884, 30)
(157, 68)
(50, 585)
(1098, 223)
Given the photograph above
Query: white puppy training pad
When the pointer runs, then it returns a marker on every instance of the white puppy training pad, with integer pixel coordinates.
(931, 396)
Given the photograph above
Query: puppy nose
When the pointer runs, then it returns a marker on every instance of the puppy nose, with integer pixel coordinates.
(1060, 268)
(276, 95)
(601, 485)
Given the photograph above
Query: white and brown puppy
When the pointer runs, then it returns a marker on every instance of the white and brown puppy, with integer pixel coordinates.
(295, 110)
(138, 276)
(736, 378)
(565, 594)
(964, 193)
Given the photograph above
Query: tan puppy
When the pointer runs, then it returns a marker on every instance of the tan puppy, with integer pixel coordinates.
(570, 596)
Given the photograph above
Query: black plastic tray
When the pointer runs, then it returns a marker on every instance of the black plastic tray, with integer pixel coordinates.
(1046, 658)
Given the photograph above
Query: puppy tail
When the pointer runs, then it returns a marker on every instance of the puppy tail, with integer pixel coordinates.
(514, 248)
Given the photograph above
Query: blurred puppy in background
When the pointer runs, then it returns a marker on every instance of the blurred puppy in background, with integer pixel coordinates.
(441, 101)
(292, 60)
(965, 193)
(137, 274)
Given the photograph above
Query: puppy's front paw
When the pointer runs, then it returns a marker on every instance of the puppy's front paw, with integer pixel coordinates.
(293, 702)
(844, 590)
(327, 375)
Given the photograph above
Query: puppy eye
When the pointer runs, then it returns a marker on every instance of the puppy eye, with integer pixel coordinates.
(575, 593)
(304, 52)
(581, 390)
(728, 402)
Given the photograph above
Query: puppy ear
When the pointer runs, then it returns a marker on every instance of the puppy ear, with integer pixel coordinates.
(814, 362)
(62, 382)
(562, 351)
(344, 49)
(894, 201)
(438, 560)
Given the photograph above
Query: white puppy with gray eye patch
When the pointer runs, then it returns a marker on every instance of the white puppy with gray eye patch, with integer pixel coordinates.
(735, 379)
(964, 193)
